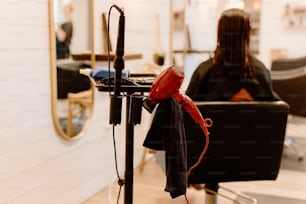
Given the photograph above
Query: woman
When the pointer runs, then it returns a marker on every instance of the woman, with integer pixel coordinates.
(64, 34)
(233, 73)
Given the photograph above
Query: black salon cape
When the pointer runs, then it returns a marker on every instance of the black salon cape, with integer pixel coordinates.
(167, 133)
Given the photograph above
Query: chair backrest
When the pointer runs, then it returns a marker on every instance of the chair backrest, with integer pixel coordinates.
(289, 81)
(246, 141)
(288, 63)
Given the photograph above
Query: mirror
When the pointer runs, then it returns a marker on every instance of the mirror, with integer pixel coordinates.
(71, 36)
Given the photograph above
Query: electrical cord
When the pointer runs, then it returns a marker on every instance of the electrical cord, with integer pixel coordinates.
(108, 48)
(120, 181)
(207, 123)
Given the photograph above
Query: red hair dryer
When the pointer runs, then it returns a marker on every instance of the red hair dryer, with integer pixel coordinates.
(166, 85)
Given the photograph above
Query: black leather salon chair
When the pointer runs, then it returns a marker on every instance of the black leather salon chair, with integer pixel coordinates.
(69, 80)
(246, 143)
(289, 82)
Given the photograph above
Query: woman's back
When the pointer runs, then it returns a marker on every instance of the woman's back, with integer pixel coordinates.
(207, 84)
(233, 73)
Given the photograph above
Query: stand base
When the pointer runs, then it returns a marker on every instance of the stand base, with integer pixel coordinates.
(211, 196)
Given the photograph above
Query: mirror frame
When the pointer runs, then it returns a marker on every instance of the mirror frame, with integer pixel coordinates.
(53, 72)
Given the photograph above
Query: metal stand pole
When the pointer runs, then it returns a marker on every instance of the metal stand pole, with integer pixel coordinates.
(129, 155)
(133, 117)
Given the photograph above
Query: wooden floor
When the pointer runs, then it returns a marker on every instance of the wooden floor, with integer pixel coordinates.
(149, 184)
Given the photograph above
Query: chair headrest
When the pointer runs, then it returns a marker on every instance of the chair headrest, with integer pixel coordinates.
(288, 63)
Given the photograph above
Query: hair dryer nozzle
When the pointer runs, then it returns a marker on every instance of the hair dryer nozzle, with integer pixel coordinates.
(148, 105)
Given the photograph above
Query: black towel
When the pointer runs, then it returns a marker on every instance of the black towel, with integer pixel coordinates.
(167, 133)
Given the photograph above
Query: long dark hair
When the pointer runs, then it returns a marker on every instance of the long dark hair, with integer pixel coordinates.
(233, 41)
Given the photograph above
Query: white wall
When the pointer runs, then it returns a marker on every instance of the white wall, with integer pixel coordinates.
(37, 166)
(274, 35)
(140, 28)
